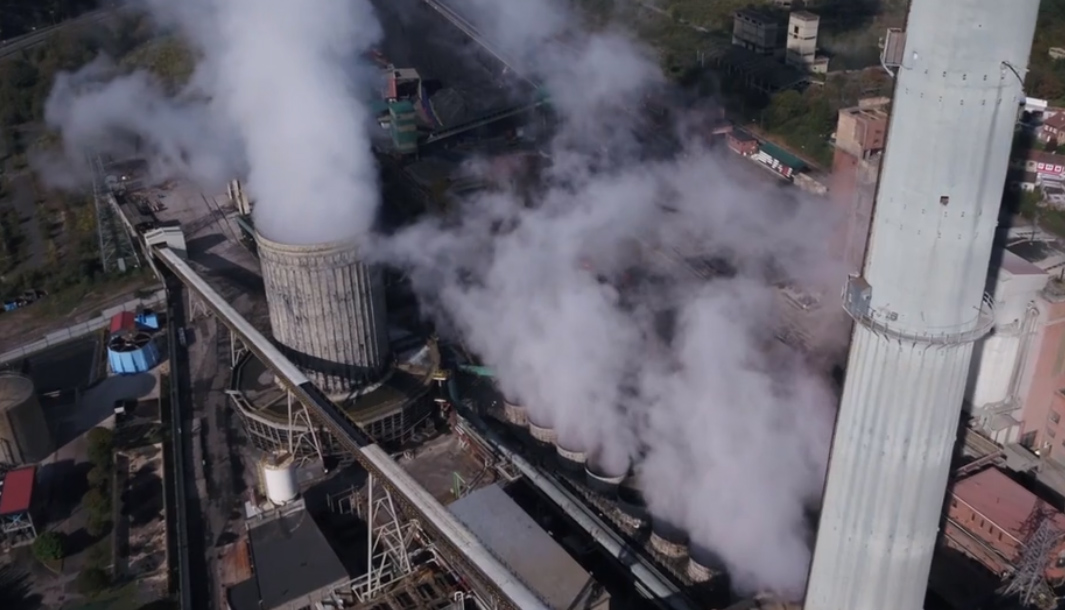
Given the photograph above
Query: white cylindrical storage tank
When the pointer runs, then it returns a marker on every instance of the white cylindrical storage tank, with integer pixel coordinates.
(327, 311)
(279, 478)
(24, 434)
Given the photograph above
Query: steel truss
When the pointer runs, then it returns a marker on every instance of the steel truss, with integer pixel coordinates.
(115, 243)
(298, 435)
(1028, 581)
(18, 529)
(404, 570)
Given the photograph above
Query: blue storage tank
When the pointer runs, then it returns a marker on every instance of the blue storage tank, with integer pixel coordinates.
(131, 353)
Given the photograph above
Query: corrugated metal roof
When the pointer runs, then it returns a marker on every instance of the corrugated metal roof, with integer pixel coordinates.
(1001, 500)
(16, 494)
(783, 156)
(125, 320)
(522, 545)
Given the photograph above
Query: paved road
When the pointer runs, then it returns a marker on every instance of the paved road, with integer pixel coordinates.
(198, 594)
(14, 45)
(222, 481)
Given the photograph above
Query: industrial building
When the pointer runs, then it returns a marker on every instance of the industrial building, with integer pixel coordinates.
(24, 434)
(758, 31)
(860, 135)
(658, 553)
(801, 51)
(520, 543)
(293, 565)
(16, 506)
(993, 520)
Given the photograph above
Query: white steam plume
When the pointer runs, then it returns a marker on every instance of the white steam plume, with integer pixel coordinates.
(282, 76)
(732, 427)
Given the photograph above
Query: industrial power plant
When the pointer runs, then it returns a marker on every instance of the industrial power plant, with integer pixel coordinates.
(503, 396)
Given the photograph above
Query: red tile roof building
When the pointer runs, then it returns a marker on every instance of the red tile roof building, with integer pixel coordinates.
(989, 518)
(1053, 128)
(16, 493)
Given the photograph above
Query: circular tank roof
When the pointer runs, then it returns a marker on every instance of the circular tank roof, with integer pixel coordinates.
(278, 461)
(15, 389)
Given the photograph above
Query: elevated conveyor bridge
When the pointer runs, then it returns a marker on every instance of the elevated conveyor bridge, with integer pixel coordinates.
(489, 578)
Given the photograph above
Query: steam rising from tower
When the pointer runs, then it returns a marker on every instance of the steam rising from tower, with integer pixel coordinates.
(727, 428)
(918, 303)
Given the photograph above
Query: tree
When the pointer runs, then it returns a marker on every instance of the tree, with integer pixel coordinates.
(92, 581)
(100, 478)
(49, 546)
(97, 502)
(101, 446)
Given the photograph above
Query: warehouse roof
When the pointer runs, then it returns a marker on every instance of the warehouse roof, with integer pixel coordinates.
(522, 545)
(1001, 500)
(16, 490)
(292, 558)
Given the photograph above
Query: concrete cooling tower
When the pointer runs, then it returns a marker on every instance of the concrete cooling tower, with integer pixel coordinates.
(327, 311)
(24, 434)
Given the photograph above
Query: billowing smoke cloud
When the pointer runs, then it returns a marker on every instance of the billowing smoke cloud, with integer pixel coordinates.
(731, 428)
(276, 94)
(563, 289)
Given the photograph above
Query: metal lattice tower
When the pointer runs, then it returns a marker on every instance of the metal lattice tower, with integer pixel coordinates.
(116, 245)
(1029, 582)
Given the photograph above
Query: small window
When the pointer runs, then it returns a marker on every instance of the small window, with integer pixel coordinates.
(944, 200)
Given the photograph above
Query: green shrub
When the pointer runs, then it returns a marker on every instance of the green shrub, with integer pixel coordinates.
(49, 546)
(101, 446)
(92, 580)
(97, 501)
(100, 478)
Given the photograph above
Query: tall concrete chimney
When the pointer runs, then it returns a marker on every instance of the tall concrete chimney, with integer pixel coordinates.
(918, 304)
